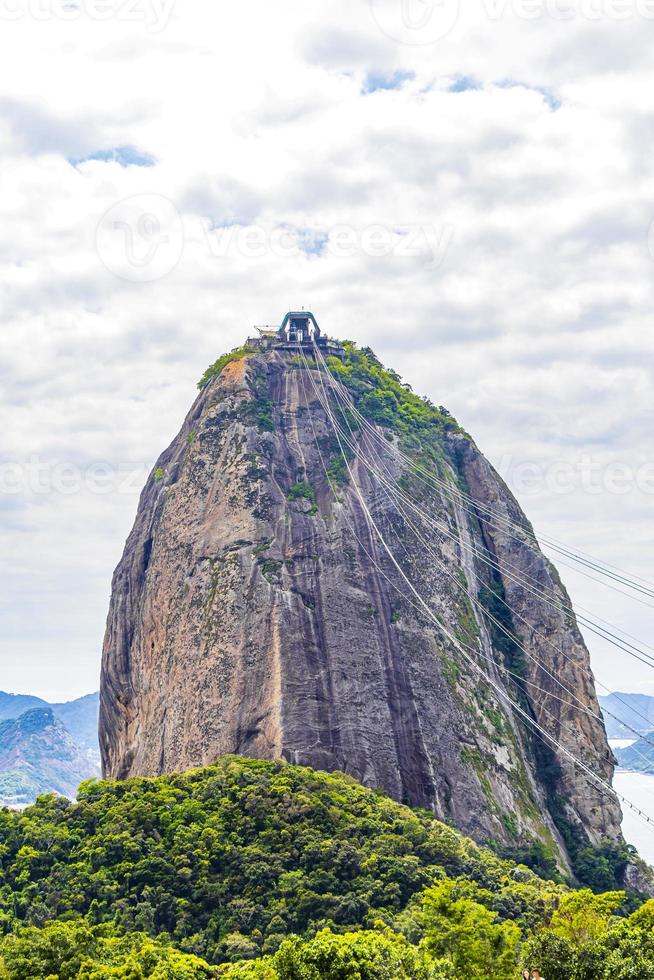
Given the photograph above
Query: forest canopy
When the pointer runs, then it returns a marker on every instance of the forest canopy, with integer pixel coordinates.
(256, 869)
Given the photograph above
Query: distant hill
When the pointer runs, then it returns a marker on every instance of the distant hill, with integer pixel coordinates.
(46, 747)
(39, 755)
(637, 710)
(638, 757)
(79, 716)
(81, 719)
(13, 705)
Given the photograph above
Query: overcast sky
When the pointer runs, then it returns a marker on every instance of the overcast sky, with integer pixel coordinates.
(469, 192)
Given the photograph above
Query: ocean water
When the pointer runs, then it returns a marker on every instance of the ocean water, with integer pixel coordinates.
(638, 788)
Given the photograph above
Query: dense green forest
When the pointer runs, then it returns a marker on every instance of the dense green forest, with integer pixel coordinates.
(254, 869)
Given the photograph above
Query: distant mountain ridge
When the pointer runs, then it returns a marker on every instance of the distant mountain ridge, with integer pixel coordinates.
(13, 705)
(79, 716)
(39, 755)
(81, 719)
(46, 747)
(637, 710)
(638, 757)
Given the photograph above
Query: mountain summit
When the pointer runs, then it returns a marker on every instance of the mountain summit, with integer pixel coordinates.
(313, 576)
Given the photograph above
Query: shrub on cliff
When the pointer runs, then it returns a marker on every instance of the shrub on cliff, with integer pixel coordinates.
(215, 369)
(382, 397)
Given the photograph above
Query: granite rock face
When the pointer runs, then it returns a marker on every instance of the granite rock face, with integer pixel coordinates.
(255, 611)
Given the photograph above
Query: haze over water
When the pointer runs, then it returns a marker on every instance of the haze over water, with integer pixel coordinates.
(638, 788)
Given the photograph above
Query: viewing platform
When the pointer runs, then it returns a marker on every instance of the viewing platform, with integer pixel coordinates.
(298, 329)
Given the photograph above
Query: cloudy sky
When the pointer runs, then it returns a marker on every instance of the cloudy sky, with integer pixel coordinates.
(468, 191)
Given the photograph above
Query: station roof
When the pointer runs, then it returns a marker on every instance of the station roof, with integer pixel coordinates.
(300, 315)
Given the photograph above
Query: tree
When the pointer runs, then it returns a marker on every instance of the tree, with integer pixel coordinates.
(553, 956)
(582, 916)
(355, 955)
(365, 955)
(58, 950)
(76, 951)
(624, 952)
(467, 935)
(249, 970)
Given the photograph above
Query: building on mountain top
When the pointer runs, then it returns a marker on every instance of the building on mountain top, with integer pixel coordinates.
(298, 328)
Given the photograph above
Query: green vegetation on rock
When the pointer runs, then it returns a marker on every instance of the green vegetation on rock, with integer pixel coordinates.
(302, 491)
(599, 866)
(258, 410)
(215, 369)
(382, 396)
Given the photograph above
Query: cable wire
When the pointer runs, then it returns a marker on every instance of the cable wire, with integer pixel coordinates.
(457, 645)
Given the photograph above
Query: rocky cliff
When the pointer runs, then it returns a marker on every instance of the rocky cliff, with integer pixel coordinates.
(255, 611)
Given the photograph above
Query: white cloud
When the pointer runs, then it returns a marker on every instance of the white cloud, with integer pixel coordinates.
(533, 325)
